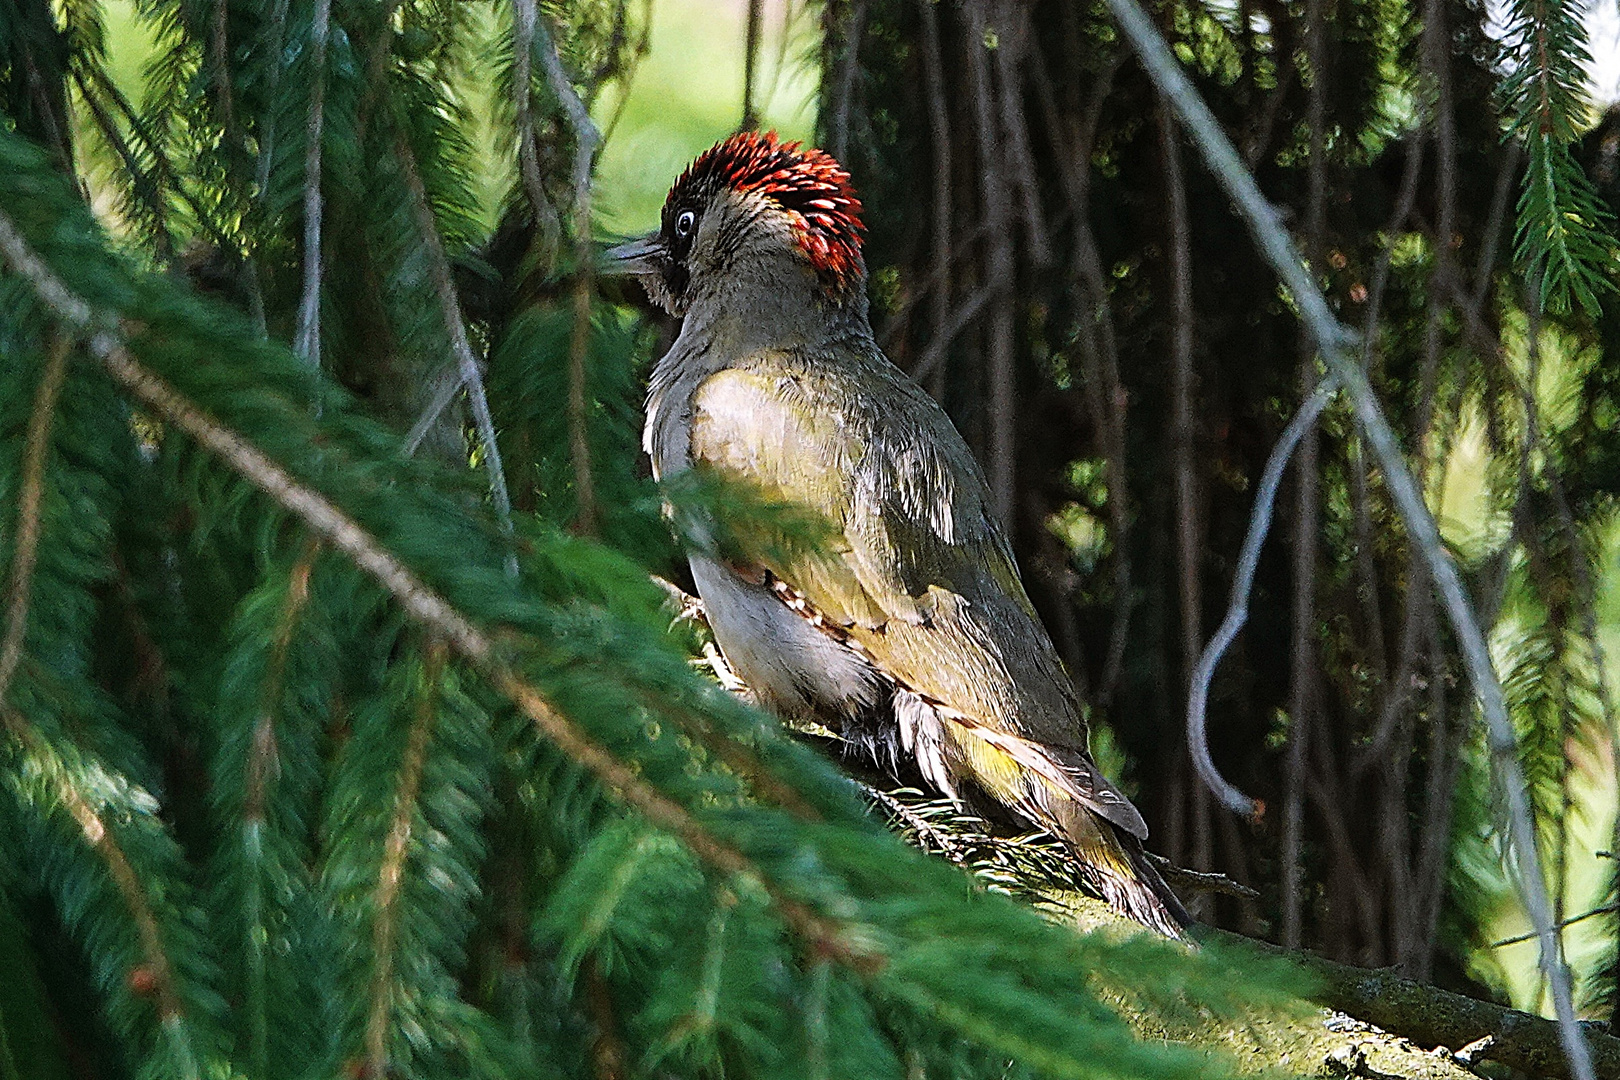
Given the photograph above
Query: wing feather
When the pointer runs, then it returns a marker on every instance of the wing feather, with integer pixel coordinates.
(917, 571)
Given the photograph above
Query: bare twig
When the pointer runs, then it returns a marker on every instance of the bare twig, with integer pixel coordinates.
(939, 345)
(1302, 680)
(750, 107)
(1182, 435)
(1018, 159)
(1238, 611)
(849, 66)
(939, 129)
(466, 362)
(1562, 923)
(1336, 346)
(307, 343)
(449, 385)
(545, 215)
(586, 141)
(1000, 270)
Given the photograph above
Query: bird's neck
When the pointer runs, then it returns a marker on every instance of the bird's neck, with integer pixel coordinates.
(771, 302)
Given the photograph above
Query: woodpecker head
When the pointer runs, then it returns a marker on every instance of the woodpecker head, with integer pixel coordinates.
(750, 205)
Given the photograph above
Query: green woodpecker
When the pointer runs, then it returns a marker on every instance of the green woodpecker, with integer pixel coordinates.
(910, 633)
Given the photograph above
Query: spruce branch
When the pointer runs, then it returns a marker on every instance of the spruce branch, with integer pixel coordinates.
(26, 546)
(1563, 238)
(308, 341)
(391, 869)
(99, 838)
(165, 168)
(450, 384)
(267, 125)
(263, 767)
(1337, 346)
(146, 188)
(830, 937)
(91, 826)
(466, 363)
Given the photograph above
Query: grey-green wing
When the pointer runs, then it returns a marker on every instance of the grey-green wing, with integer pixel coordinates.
(917, 571)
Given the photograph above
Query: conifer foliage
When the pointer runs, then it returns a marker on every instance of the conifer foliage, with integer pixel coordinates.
(319, 755)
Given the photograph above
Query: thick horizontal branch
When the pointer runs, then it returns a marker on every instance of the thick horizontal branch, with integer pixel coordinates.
(1466, 1029)
(1433, 1017)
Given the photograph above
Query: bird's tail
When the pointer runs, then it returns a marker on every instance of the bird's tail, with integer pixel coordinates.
(1110, 862)
(1053, 788)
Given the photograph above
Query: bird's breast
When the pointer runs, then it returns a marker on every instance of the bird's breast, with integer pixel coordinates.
(793, 668)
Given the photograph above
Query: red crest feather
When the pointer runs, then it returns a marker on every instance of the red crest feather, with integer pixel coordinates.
(813, 189)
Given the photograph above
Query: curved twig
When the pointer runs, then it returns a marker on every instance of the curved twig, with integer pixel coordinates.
(1237, 613)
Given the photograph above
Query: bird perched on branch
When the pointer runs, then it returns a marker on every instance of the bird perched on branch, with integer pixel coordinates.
(909, 632)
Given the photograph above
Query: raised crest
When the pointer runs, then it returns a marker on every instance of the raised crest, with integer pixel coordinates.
(809, 185)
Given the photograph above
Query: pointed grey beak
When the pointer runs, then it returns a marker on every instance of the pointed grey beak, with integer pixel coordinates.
(638, 257)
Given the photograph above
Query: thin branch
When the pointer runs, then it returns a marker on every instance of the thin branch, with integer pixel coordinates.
(391, 870)
(832, 937)
(1337, 347)
(308, 341)
(1302, 674)
(939, 129)
(450, 384)
(30, 493)
(1571, 921)
(1182, 435)
(545, 215)
(999, 272)
(1237, 612)
(750, 107)
(1019, 159)
(466, 362)
(966, 312)
(849, 66)
(586, 141)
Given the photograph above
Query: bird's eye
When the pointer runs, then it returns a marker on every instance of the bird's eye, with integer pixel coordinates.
(685, 223)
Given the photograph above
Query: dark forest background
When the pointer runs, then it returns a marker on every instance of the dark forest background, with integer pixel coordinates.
(1051, 259)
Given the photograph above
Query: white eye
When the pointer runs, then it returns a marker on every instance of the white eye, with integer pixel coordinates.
(685, 223)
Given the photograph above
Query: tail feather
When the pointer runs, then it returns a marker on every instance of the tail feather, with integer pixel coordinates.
(1049, 789)
(1130, 884)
